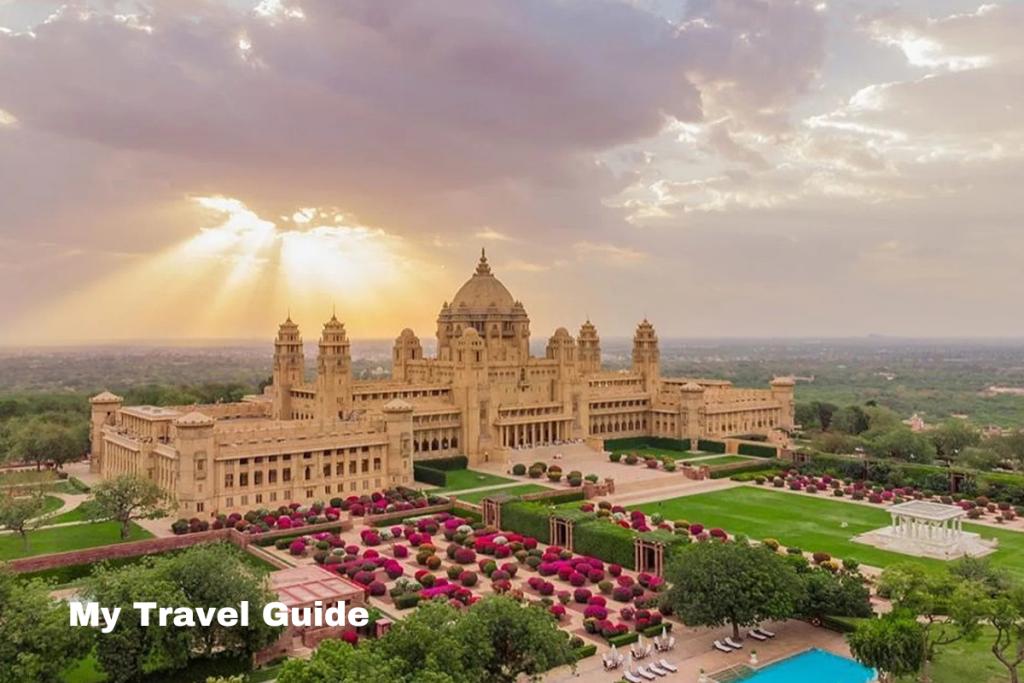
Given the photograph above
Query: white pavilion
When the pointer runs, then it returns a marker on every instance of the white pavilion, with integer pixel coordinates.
(929, 530)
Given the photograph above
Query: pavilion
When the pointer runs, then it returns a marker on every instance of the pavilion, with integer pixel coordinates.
(928, 529)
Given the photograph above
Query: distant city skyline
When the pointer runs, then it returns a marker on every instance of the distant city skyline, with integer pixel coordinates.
(749, 169)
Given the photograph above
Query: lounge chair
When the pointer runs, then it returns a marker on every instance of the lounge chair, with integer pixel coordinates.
(764, 632)
(667, 667)
(671, 643)
(631, 677)
(648, 651)
(733, 644)
(637, 653)
(722, 647)
(610, 662)
(655, 669)
(646, 674)
(757, 636)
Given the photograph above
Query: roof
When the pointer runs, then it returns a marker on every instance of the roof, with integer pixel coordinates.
(920, 509)
(397, 406)
(302, 586)
(106, 397)
(483, 293)
(194, 419)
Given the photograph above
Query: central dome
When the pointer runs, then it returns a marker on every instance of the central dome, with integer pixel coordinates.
(483, 293)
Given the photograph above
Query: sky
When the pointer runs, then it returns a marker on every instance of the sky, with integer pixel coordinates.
(199, 169)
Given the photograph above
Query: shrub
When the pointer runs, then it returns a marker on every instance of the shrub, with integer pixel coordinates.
(535, 473)
(554, 476)
(631, 459)
(669, 465)
(771, 543)
(973, 513)
(811, 488)
(581, 595)
(615, 457)
(819, 558)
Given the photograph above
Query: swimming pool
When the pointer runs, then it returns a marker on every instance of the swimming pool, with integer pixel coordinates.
(814, 666)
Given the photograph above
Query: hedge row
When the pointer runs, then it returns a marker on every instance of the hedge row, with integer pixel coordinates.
(711, 446)
(584, 652)
(605, 541)
(758, 451)
(654, 631)
(429, 475)
(624, 639)
(455, 462)
(752, 467)
(647, 441)
(263, 540)
(528, 519)
(79, 485)
(560, 498)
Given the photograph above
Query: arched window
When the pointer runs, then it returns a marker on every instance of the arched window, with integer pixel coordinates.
(434, 445)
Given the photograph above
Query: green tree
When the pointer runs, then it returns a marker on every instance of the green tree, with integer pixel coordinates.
(1010, 447)
(512, 640)
(20, 514)
(36, 645)
(825, 411)
(852, 420)
(947, 608)
(842, 594)
(128, 498)
(806, 415)
(715, 583)
(1005, 613)
(975, 458)
(891, 644)
(42, 440)
(901, 443)
(953, 436)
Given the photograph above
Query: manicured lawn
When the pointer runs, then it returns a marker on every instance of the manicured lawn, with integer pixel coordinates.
(815, 524)
(60, 539)
(723, 460)
(87, 671)
(75, 515)
(962, 661)
(460, 480)
(521, 490)
(51, 504)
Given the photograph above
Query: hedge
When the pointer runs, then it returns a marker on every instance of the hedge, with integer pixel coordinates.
(752, 467)
(79, 485)
(758, 451)
(455, 462)
(711, 446)
(560, 498)
(406, 601)
(263, 541)
(605, 541)
(624, 639)
(584, 652)
(528, 519)
(647, 441)
(654, 631)
(429, 475)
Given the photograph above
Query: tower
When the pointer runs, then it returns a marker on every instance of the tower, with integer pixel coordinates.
(104, 412)
(333, 371)
(407, 348)
(782, 392)
(289, 367)
(646, 358)
(589, 350)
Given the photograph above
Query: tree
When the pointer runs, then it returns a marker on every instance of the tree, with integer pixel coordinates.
(947, 608)
(843, 594)
(36, 645)
(891, 644)
(851, 420)
(20, 513)
(45, 439)
(806, 415)
(126, 499)
(975, 458)
(716, 583)
(1010, 447)
(902, 444)
(512, 640)
(953, 436)
(1005, 613)
(825, 412)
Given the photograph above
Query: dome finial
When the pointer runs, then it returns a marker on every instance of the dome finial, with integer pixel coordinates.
(483, 268)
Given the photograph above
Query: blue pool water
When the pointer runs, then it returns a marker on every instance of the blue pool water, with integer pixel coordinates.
(814, 666)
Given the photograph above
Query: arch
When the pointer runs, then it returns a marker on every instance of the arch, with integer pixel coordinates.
(415, 446)
(455, 442)
(308, 473)
(444, 444)
(425, 446)
(434, 445)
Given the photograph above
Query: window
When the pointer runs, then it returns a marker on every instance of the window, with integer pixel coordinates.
(229, 481)
(307, 456)
(327, 489)
(199, 465)
(365, 449)
(286, 474)
(272, 458)
(339, 469)
(257, 479)
(243, 480)
(327, 470)
(352, 467)
(288, 494)
(309, 474)
(259, 498)
(351, 486)
(366, 484)
(273, 496)
(366, 466)
(272, 477)
(376, 464)
(257, 461)
(200, 506)
(245, 500)
(286, 458)
(243, 461)
(229, 502)
(376, 482)
(309, 493)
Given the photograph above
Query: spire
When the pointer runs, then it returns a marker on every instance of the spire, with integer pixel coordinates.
(483, 268)
(334, 312)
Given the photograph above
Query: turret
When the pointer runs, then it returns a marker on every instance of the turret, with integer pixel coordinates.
(193, 437)
(105, 407)
(646, 358)
(289, 367)
(562, 348)
(407, 348)
(589, 350)
(333, 371)
(782, 393)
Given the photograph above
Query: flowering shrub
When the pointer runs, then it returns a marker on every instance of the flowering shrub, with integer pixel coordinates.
(622, 594)
(377, 589)
(595, 611)
(564, 597)
(468, 579)
(464, 556)
(558, 611)
(297, 548)
(577, 579)
(581, 595)
(350, 637)
(614, 569)
(627, 613)
(718, 533)
(696, 529)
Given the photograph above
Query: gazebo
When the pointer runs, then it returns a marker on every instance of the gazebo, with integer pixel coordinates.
(928, 529)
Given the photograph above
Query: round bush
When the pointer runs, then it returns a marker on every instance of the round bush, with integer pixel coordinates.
(519, 469)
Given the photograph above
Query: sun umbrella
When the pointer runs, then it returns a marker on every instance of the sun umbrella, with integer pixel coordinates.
(629, 661)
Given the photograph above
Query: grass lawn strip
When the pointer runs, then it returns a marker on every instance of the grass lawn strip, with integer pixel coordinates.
(63, 539)
(723, 460)
(460, 480)
(521, 490)
(815, 524)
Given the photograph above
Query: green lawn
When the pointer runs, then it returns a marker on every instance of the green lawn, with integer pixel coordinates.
(815, 524)
(51, 504)
(75, 515)
(520, 490)
(723, 460)
(61, 539)
(963, 661)
(460, 480)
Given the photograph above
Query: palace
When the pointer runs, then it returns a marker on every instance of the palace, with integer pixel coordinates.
(482, 395)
